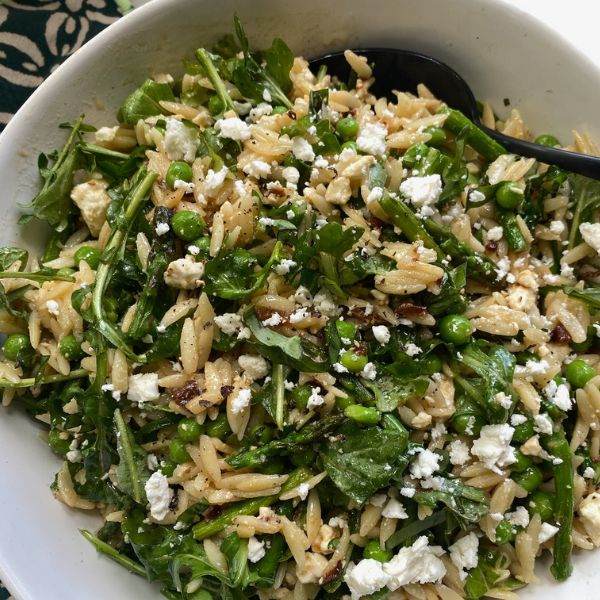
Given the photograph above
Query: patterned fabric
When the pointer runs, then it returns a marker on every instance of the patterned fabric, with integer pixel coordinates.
(37, 35)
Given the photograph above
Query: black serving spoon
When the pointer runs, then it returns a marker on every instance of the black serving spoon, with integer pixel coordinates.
(403, 70)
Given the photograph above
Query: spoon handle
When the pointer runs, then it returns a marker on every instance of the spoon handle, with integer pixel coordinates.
(565, 159)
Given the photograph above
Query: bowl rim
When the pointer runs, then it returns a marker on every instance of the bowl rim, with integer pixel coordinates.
(12, 580)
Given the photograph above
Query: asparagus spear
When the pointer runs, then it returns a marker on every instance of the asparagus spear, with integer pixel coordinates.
(558, 446)
(480, 141)
(205, 60)
(512, 232)
(249, 507)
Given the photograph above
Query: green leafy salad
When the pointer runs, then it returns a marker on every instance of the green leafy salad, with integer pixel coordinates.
(294, 341)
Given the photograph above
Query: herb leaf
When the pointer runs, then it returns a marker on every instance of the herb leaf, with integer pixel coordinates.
(144, 102)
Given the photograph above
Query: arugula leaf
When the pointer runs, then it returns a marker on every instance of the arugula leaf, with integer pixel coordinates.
(144, 102)
(413, 529)
(114, 165)
(361, 461)
(317, 101)
(586, 195)
(252, 80)
(294, 351)
(289, 444)
(490, 573)
(335, 240)
(9, 255)
(468, 503)
(53, 203)
(132, 470)
(451, 299)
(393, 391)
(231, 275)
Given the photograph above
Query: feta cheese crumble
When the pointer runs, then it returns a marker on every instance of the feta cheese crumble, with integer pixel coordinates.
(53, 307)
(590, 232)
(258, 169)
(381, 334)
(181, 141)
(394, 510)
(241, 401)
(284, 266)
(159, 495)
(365, 578)
(369, 371)
(254, 366)
(463, 554)
(162, 228)
(493, 446)
(233, 128)
(559, 395)
(302, 149)
(143, 387)
(425, 464)
(371, 139)
(315, 398)
(418, 563)
(256, 549)
(184, 274)
(422, 191)
(459, 452)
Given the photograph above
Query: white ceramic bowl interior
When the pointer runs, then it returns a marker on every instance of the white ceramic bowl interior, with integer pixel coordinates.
(501, 51)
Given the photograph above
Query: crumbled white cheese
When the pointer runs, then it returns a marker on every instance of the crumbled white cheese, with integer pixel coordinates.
(302, 149)
(493, 446)
(422, 191)
(590, 232)
(589, 473)
(233, 128)
(53, 307)
(503, 269)
(369, 371)
(229, 323)
(495, 234)
(517, 420)
(273, 320)
(143, 387)
(557, 227)
(425, 464)
(394, 510)
(303, 490)
(298, 315)
(533, 368)
(241, 401)
(258, 169)
(371, 139)
(162, 228)
(589, 515)
(74, 456)
(256, 549)
(106, 134)
(543, 424)
(260, 111)
(459, 452)
(315, 398)
(181, 141)
(504, 400)
(365, 578)
(518, 518)
(412, 349)
(438, 431)
(303, 296)
(418, 563)
(381, 334)
(184, 274)
(159, 495)
(93, 201)
(325, 304)
(186, 186)
(547, 532)
(266, 221)
(407, 492)
(152, 462)
(374, 195)
(193, 250)
(476, 196)
(284, 266)
(559, 395)
(291, 174)
(254, 366)
(463, 553)
(339, 368)
(214, 180)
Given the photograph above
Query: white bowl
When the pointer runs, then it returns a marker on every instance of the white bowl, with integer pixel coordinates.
(501, 51)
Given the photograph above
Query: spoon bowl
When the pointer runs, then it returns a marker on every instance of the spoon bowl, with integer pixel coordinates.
(403, 70)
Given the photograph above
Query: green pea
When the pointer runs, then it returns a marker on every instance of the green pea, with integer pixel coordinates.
(203, 245)
(178, 170)
(65, 272)
(578, 373)
(363, 414)
(509, 195)
(353, 361)
(545, 139)
(523, 461)
(167, 467)
(350, 144)
(215, 105)
(431, 364)
(260, 434)
(438, 136)
(189, 430)
(374, 550)
(70, 347)
(345, 329)
(89, 254)
(57, 443)
(300, 396)
(523, 432)
(347, 128)
(305, 458)
(218, 428)
(279, 110)
(505, 532)
(177, 451)
(467, 424)
(14, 345)
(455, 329)
(187, 225)
(343, 402)
(542, 503)
(530, 478)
